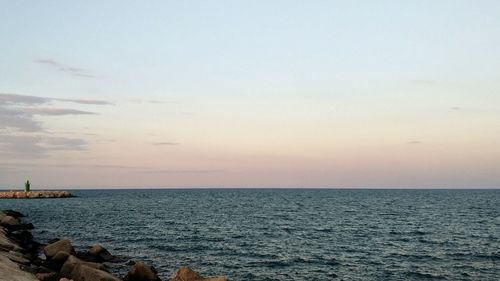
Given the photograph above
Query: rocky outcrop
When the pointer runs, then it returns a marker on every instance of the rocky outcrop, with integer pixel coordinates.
(10, 271)
(20, 260)
(34, 194)
(60, 247)
(187, 274)
(73, 262)
(13, 256)
(84, 272)
(97, 253)
(141, 272)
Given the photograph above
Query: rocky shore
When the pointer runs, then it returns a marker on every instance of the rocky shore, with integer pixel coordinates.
(34, 194)
(24, 259)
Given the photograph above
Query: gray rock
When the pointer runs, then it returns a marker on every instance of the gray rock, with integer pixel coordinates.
(10, 221)
(63, 245)
(187, 274)
(16, 257)
(72, 262)
(60, 257)
(141, 272)
(83, 272)
(11, 271)
(98, 253)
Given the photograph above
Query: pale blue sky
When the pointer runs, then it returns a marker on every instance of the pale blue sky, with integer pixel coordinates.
(250, 93)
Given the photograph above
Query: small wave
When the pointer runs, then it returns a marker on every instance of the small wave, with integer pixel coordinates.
(425, 275)
(327, 230)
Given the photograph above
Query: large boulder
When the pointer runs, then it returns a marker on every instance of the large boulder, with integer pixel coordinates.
(12, 213)
(10, 221)
(187, 274)
(63, 245)
(141, 272)
(10, 271)
(72, 262)
(60, 257)
(84, 272)
(57, 261)
(98, 253)
(16, 257)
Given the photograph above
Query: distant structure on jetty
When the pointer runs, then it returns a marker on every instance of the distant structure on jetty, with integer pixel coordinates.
(28, 194)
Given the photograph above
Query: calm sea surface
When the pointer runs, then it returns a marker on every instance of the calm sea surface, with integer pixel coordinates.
(293, 234)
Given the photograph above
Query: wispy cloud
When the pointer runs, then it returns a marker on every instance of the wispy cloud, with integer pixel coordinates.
(8, 98)
(85, 101)
(165, 143)
(17, 111)
(414, 142)
(21, 146)
(475, 110)
(37, 146)
(62, 67)
(11, 118)
(21, 125)
(54, 111)
(59, 143)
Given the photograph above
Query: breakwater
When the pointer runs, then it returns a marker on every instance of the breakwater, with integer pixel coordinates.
(34, 194)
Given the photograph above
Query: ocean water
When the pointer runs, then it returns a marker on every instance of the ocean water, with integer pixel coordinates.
(285, 234)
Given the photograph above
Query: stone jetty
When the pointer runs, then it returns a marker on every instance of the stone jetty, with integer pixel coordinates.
(35, 194)
(24, 259)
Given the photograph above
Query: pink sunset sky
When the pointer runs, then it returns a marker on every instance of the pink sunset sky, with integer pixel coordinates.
(118, 94)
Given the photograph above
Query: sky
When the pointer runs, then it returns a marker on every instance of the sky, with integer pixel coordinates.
(344, 94)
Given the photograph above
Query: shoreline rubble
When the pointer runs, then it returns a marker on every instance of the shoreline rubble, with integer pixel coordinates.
(24, 259)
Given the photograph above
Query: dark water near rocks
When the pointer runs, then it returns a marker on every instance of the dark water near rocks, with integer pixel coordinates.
(286, 234)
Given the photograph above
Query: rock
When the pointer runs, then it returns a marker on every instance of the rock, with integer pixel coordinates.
(83, 272)
(65, 279)
(10, 271)
(60, 257)
(72, 262)
(141, 272)
(16, 257)
(187, 274)
(51, 276)
(10, 221)
(98, 253)
(31, 268)
(12, 213)
(63, 245)
(6, 244)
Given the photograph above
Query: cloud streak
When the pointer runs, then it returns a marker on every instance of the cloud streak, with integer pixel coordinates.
(13, 99)
(55, 111)
(37, 146)
(17, 112)
(165, 143)
(71, 70)
(16, 119)
(22, 134)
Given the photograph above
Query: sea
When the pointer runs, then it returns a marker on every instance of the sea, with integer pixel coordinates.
(284, 234)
